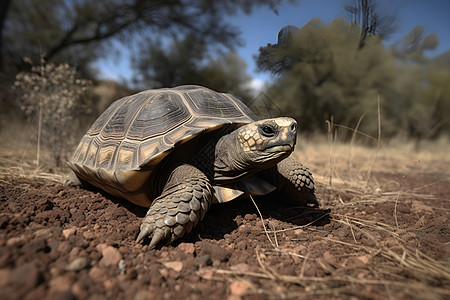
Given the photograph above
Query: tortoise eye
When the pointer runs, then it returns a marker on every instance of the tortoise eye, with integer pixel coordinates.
(267, 130)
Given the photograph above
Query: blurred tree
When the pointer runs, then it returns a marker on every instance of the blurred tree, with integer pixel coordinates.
(365, 17)
(442, 60)
(72, 30)
(323, 72)
(187, 61)
(4, 7)
(371, 19)
(413, 45)
(330, 75)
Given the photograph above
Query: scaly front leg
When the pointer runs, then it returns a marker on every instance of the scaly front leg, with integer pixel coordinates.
(184, 201)
(294, 181)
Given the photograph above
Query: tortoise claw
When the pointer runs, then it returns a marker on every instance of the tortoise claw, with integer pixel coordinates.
(146, 230)
(158, 234)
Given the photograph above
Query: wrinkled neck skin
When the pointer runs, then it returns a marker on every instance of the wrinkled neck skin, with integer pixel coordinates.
(232, 163)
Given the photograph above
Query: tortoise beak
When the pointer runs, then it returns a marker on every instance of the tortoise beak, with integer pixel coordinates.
(281, 148)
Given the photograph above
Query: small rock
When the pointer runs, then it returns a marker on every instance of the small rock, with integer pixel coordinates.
(207, 275)
(26, 276)
(239, 287)
(177, 266)
(101, 246)
(14, 241)
(404, 208)
(64, 247)
(89, 235)
(97, 274)
(37, 245)
(68, 232)
(310, 270)
(364, 258)
(216, 252)
(354, 262)
(44, 204)
(203, 260)
(42, 232)
(111, 257)
(250, 217)
(122, 267)
(59, 284)
(187, 248)
(329, 258)
(78, 264)
(62, 193)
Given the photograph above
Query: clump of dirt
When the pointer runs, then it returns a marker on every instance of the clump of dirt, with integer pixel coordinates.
(59, 242)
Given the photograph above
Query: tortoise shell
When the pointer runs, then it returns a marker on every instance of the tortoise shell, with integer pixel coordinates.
(123, 146)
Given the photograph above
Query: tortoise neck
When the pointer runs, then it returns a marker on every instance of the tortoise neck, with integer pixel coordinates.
(229, 161)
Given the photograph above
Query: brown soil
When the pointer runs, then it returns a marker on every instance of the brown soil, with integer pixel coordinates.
(59, 242)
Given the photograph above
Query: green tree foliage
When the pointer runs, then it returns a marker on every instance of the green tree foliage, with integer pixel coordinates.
(74, 30)
(413, 45)
(330, 74)
(187, 61)
(323, 72)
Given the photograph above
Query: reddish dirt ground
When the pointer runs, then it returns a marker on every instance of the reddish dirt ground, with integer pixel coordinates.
(59, 242)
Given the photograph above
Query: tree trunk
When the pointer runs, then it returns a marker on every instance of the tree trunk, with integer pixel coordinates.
(4, 6)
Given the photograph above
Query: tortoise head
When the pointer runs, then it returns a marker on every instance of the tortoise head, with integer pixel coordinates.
(254, 147)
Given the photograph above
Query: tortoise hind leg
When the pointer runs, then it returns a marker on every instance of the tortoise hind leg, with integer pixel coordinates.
(294, 181)
(184, 201)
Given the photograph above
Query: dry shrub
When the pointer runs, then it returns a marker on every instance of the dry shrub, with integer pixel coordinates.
(50, 94)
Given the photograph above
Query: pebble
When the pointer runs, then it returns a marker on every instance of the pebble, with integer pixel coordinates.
(44, 232)
(64, 247)
(26, 276)
(97, 274)
(60, 283)
(177, 266)
(216, 252)
(203, 260)
(239, 287)
(364, 258)
(329, 258)
(14, 241)
(110, 257)
(122, 267)
(78, 264)
(187, 248)
(68, 232)
(89, 235)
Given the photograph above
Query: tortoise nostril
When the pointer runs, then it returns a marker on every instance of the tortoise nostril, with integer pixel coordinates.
(294, 127)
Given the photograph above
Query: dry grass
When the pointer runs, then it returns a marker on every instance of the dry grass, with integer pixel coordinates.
(394, 265)
(19, 161)
(392, 262)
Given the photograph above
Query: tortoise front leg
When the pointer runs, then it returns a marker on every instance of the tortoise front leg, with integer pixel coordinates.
(294, 181)
(184, 201)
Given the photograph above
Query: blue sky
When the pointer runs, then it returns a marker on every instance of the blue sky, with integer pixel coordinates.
(262, 26)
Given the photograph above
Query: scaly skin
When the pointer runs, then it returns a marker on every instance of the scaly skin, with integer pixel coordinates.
(183, 203)
(294, 181)
(250, 149)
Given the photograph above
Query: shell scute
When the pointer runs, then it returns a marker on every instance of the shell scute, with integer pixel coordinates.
(136, 132)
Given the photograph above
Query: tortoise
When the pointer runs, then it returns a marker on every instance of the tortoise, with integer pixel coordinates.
(179, 150)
